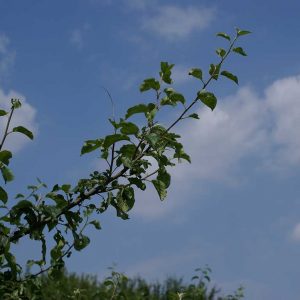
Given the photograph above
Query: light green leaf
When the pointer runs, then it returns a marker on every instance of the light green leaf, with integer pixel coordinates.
(242, 32)
(214, 71)
(224, 35)
(240, 51)
(197, 73)
(209, 99)
(23, 130)
(230, 76)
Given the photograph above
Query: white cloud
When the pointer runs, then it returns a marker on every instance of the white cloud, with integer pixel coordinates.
(295, 235)
(7, 56)
(283, 100)
(174, 22)
(243, 126)
(25, 116)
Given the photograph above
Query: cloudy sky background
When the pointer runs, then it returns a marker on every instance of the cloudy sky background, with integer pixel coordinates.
(236, 207)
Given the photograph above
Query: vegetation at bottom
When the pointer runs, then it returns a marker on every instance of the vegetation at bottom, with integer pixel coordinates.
(119, 287)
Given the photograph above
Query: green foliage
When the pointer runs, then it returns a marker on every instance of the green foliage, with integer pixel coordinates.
(119, 287)
(65, 211)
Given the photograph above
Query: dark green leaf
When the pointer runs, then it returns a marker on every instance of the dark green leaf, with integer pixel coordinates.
(224, 35)
(3, 112)
(96, 224)
(240, 51)
(5, 156)
(7, 174)
(90, 146)
(197, 73)
(140, 108)
(3, 195)
(209, 99)
(174, 96)
(81, 242)
(129, 128)
(23, 130)
(111, 139)
(138, 182)
(230, 76)
(194, 116)
(150, 83)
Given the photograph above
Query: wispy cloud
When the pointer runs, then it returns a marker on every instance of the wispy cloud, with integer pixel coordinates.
(175, 22)
(7, 56)
(77, 36)
(24, 116)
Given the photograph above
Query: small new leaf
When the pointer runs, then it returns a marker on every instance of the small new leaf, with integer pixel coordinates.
(24, 131)
(230, 76)
(194, 116)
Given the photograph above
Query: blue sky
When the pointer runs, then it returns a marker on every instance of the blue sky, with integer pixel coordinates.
(236, 207)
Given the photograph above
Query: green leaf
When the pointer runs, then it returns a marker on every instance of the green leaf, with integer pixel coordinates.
(96, 224)
(137, 109)
(150, 83)
(160, 188)
(3, 195)
(221, 52)
(111, 139)
(90, 146)
(153, 139)
(214, 71)
(230, 76)
(7, 174)
(129, 128)
(194, 116)
(166, 72)
(209, 99)
(242, 32)
(240, 51)
(3, 112)
(23, 130)
(81, 242)
(16, 103)
(224, 35)
(174, 96)
(138, 182)
(5, 156)
(197, 73)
